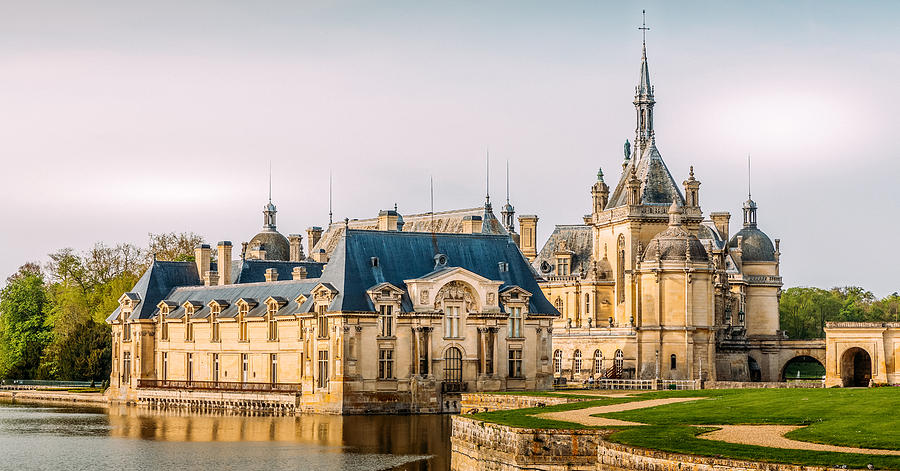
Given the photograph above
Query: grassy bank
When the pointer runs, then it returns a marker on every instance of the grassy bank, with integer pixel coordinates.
(864, 418)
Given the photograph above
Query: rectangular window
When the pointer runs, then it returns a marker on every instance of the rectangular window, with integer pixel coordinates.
(190, 367)
(273, 370)
(273, 327)
(515, 322)
(163, 328)
(245, 368)
(165, 365)
(515, 363)
(126, 367)
(385, 364)
(242, 323)
(188, 330)
(323, 369)
(214, 311)
(451, 322)
(387, 321)
(215, 362)
(126, 332)
(322, 321)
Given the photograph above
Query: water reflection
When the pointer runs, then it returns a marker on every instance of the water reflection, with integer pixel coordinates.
(138, 438)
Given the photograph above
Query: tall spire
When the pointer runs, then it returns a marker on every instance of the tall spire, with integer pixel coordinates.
(487, 180)
(330, 214)
(643, 98)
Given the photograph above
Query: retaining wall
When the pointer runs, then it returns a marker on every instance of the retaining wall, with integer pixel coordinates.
(481, 402)
(769, 385)
(479, 445)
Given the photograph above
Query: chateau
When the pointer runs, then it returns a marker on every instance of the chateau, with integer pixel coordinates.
(395, 321)
(648, 288)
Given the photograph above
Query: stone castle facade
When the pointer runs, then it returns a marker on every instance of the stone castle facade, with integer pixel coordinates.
(649, 288)
(386, 321)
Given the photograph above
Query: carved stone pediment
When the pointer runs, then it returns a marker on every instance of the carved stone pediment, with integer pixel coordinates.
(456, 291)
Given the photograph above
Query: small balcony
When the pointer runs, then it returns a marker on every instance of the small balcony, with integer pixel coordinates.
(218, 386)
(454, 387)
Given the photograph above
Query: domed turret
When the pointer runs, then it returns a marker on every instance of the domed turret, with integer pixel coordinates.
(675, 243)
(269, 244)
(755, 244)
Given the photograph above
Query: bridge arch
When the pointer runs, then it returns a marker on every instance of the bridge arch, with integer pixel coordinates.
(803, 367)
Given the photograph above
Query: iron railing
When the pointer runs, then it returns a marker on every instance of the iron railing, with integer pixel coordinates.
(218, 385)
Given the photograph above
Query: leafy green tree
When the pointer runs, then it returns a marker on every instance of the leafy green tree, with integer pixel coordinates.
(24, 332)
(173, 246)
(81, 353)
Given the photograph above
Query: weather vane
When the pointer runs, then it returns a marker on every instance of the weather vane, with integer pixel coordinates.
(643, 26)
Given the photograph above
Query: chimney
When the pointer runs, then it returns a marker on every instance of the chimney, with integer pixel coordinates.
(296, 247)
(271, 274)
(387, 220)
(211, 278)
(313, 234)
(201, 258)
(472, 224)
(320, 256)
(299, 273)
(528, 235)
(720, 219)
(224, 263)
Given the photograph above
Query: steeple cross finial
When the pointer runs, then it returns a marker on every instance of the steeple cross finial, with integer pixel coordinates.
(643, 26)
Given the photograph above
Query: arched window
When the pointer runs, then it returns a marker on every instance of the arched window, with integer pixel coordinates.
(453, 365)
(620, 360)
(598, 362)
(557, 362)
(576, 363)
(673, 362)
(559, 305)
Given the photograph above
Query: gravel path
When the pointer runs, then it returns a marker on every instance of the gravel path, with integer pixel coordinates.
(773, 436)
(584, 416)
(761, 435)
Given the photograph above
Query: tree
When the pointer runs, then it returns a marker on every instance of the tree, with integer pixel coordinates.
(23, 331)
(173, 246)
(81, 353)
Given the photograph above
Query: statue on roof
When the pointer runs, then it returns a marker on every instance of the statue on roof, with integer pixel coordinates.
(627, 149)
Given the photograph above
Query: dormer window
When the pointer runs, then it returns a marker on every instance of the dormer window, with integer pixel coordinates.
(322, 322)
(214, 311)
(271, 322)
(243, 309)
(562, 266)
(126, 331)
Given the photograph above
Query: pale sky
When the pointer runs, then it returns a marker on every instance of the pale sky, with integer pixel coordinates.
(123, 118)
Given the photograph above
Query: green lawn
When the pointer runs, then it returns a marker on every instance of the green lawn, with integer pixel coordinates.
(865, 418)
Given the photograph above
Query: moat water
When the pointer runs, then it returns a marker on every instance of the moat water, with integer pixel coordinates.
(41, 437)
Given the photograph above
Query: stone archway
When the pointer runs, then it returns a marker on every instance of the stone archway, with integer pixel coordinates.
(802, 367)
(856, 367)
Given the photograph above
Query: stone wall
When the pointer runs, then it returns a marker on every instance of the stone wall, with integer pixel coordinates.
(485, 402)
(479, 445)
(761, 385)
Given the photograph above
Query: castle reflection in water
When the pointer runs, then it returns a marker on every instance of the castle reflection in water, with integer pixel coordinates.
(381, 434)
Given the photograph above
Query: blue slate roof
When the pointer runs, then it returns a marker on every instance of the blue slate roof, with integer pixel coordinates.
(408, 255)
(157, 282)
(254, 271)
(402, 256)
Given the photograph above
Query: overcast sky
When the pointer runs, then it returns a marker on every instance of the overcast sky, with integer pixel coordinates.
(123, 118)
